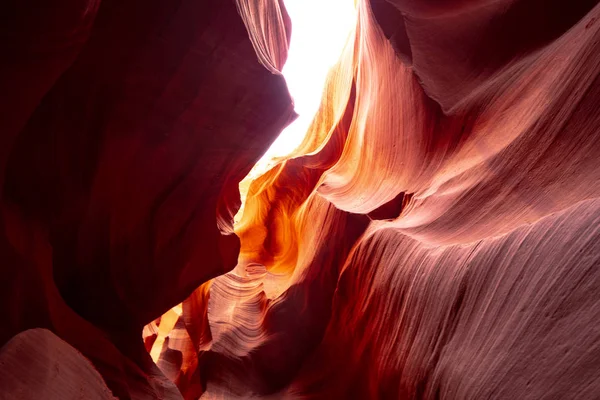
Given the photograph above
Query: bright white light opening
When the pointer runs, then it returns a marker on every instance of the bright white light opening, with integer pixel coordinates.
(320, 29)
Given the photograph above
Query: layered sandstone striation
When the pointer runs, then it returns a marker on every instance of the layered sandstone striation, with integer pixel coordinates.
(435, 235)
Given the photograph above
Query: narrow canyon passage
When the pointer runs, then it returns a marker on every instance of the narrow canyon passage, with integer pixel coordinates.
(334, 199)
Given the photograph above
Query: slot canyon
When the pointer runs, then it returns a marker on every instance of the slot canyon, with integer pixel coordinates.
(427, 226)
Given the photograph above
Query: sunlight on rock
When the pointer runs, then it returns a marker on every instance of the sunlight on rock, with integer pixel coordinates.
(320, 29)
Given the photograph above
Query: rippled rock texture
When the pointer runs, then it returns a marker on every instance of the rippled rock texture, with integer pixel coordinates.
(436, 235)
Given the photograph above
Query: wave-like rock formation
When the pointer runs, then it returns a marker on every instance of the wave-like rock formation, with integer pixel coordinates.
(44, 367)
(436, 234)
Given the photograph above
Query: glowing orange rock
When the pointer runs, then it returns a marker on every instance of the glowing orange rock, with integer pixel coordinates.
(474, 275)
(435, 235)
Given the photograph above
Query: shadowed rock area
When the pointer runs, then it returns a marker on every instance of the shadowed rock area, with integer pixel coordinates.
(435, 235)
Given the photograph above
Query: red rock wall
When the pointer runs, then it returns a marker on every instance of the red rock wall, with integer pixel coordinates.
(127, 127)
(435, 235)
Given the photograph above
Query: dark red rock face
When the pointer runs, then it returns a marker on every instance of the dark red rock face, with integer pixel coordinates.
(436, 235)
(127, 127)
